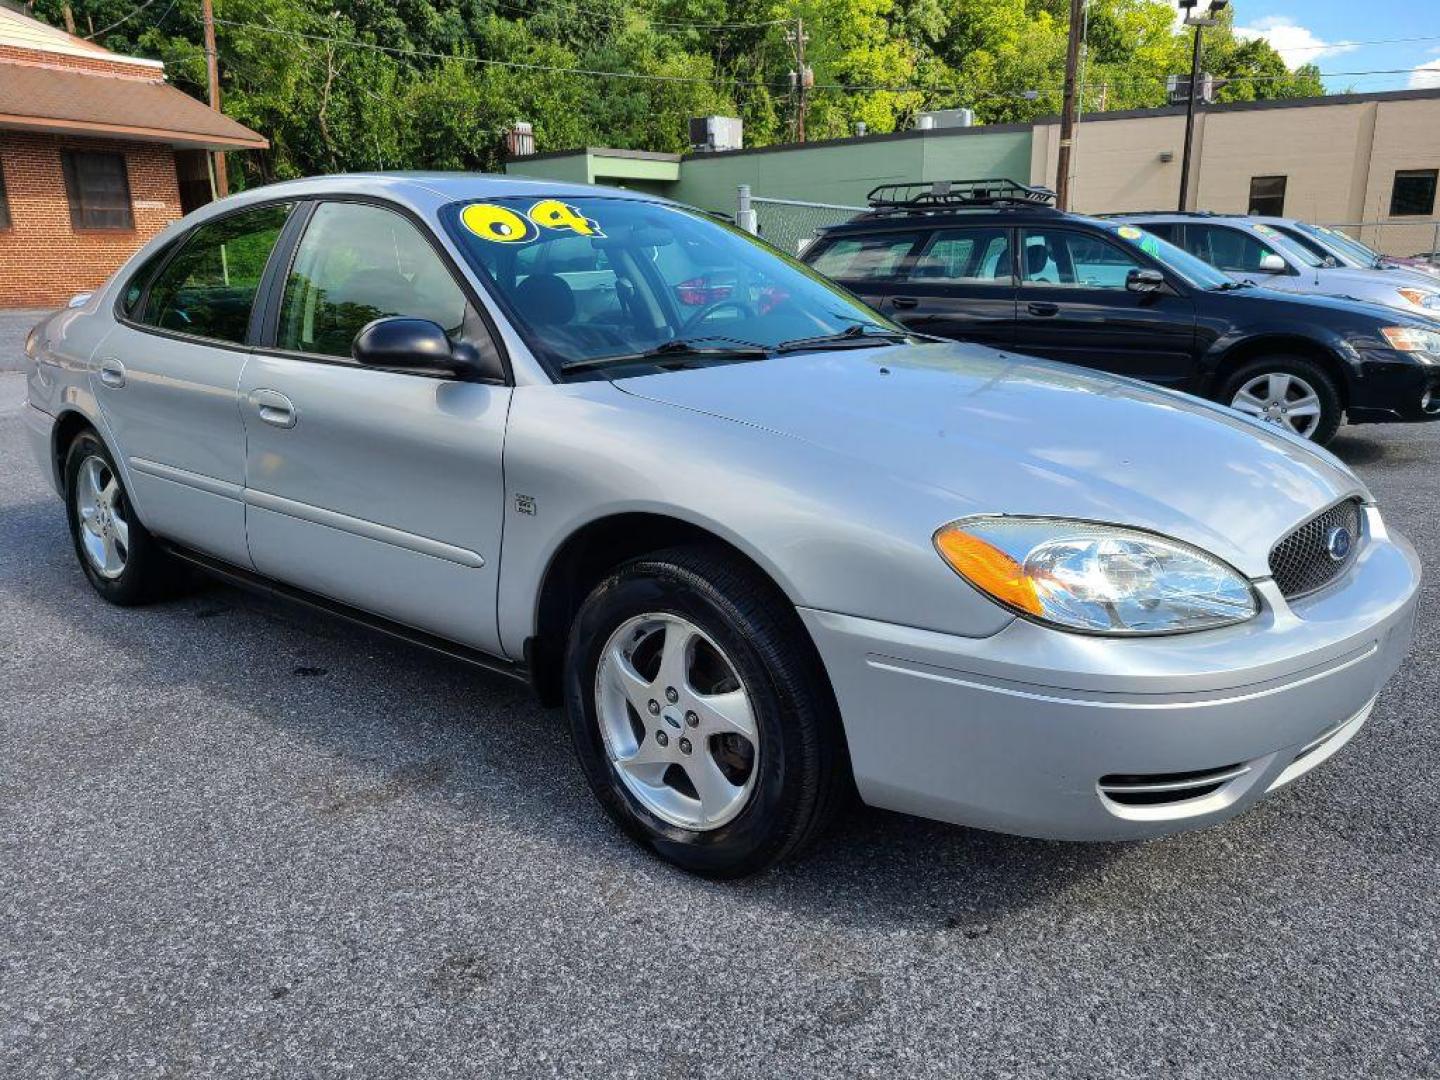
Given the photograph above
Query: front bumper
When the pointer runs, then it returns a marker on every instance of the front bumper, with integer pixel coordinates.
(1042, 733)
(1393, 386)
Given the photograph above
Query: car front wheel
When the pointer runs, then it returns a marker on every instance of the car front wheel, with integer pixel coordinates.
(701, 715)
(1288, 391)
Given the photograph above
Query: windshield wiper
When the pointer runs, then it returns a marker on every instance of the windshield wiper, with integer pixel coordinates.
(1229, 285)
(859, 334)
(670, 350)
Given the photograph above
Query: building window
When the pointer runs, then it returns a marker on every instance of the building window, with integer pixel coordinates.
(1267, 196)
(99, 190)
(4, 201)
(1413, 193)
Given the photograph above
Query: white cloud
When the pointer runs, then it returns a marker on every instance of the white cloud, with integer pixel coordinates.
(1426, 76)
(1296, 44)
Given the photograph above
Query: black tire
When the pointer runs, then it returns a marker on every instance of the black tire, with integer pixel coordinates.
(1331, 409)
(802, 776)
(148, 574)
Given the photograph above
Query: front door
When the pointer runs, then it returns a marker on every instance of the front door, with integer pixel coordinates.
(166, 378)
(1074, 306)
(962, 286)
(378, 489)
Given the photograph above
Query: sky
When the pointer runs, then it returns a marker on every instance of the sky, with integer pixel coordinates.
(1336, 35)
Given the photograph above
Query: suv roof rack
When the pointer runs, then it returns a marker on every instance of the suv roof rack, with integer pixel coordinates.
(922, 195)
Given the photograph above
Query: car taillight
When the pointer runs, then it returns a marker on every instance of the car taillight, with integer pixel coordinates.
(697, 292)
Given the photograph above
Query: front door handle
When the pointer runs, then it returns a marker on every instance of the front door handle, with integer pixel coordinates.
(112, 372)
(274, 408)
(905, 302)
(1043, 310)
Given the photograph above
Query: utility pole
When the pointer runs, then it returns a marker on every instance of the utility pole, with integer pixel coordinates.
(801, 77)
(1199, 22)
(212, 66)
(1067, 107)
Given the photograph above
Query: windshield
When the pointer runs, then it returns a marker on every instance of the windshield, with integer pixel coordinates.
(1347, 245)
(1195, 272)
(592, 279)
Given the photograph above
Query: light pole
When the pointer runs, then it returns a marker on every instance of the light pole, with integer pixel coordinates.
(1199, 22)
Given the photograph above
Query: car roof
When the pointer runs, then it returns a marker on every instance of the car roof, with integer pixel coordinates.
(904, 221)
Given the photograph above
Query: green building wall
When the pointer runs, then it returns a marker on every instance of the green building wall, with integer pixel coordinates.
(838, 171)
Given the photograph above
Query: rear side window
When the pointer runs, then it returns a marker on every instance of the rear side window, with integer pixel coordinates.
(865, 258)
(209, 287)
(357, 263)
(1165, 230)
(965, 257)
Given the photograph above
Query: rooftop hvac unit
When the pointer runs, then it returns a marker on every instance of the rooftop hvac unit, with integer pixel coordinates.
(1177, 89)
(945, 118)
(716, 133)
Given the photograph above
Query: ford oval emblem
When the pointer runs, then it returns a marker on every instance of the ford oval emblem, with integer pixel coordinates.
(1338, 542)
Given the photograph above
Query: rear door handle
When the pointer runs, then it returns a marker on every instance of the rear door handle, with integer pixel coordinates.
(1043, 310)
(112, 372)
(905, 302)
(274, 408)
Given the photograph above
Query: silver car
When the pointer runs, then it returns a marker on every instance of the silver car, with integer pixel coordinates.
(767, 547)
(1345, 250)
(1252, 249)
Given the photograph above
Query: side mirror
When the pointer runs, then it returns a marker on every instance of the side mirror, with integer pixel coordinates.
(1270, 263)
(416, 346)
(1145, 280)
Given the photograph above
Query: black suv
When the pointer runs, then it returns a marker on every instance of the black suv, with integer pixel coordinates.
(991, 261)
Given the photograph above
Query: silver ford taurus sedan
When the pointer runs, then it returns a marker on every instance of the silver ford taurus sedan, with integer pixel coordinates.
(767, 547)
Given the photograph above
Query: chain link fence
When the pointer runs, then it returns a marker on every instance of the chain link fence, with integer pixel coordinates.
(788, 224)
(1398, 238)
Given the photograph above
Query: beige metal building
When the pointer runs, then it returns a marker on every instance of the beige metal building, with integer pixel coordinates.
(1346, 159)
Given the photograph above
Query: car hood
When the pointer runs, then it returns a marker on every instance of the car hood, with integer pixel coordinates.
(1003, 433)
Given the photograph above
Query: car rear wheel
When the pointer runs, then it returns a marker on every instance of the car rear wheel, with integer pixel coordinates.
(118, 555)
(1289, 392)
(701, 716)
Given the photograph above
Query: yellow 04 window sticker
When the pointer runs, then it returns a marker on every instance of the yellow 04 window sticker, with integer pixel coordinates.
(502, 225)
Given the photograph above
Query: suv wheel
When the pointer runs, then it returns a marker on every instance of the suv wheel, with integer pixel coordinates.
(704, 725)
(118, 555)
(1287, 391)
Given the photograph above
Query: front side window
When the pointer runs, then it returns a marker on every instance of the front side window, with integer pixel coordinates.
(597, 281)
(1232, 250)
(98, 188)
(1413, 193)
(1267, 196)
(209, 287)
(357, 263)
(965, 257)
(865, 258)
(1074, 259)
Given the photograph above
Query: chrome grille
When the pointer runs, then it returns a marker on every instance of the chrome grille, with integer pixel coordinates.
(1302, 563)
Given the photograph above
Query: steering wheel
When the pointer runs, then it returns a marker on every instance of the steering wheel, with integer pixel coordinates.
(745, 310)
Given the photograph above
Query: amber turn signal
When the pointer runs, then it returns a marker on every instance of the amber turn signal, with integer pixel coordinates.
(988, 568)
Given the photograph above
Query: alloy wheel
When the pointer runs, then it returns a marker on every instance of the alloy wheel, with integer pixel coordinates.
(104, 528)
(1281, 398)
(678, 724)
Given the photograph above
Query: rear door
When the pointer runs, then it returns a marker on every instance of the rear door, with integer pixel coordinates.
(961, 286)
(167, 374)
(871, 265)
(1073, 305)
(379, 489)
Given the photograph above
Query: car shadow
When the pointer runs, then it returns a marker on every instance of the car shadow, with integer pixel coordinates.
(410, 724)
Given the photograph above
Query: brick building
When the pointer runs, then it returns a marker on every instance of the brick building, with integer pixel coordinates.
(97, 154)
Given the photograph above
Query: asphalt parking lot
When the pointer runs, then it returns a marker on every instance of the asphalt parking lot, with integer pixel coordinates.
(238, 839)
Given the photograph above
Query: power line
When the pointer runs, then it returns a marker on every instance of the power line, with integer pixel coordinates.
(425, 54)
(117, 22)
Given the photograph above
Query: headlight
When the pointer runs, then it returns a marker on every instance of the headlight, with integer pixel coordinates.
(1420, 297)
(1097, 579)
(1412, 339)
